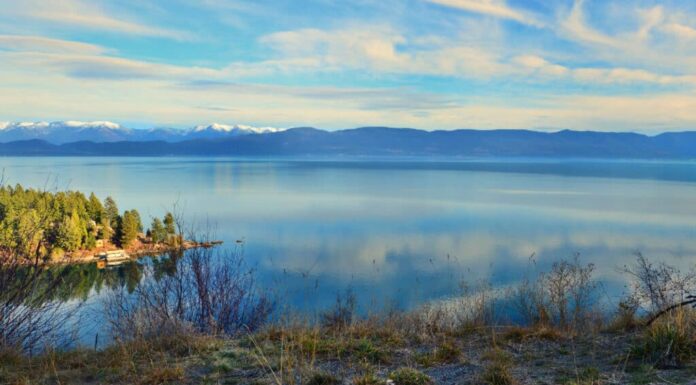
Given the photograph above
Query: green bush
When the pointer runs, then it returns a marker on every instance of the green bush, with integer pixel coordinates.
(365, 350)
(409, 376)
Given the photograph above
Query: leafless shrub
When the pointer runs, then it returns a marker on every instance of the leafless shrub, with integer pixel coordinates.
(528, 302)
(657, 286)
(565, 296)
(204, 292)
(342, 314)
(570, 291)
(481, 302)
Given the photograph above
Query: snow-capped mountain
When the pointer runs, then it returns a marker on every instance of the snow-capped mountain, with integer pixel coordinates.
(63, 132)
(216, 130)
(104, 131)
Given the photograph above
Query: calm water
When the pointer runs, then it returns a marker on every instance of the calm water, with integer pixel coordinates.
(402, 232)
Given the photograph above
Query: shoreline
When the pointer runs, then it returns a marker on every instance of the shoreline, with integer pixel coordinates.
(132, 253)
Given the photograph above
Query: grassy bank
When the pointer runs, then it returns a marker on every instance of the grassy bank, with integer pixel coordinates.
(400, 347)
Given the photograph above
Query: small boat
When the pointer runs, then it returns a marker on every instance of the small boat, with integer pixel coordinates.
(113, 257)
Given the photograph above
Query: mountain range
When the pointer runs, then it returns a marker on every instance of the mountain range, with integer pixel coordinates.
(105, 132)
(108, 139)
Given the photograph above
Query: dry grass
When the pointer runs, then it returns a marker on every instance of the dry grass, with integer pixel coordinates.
(498, 368)
(322, 378)
(367, 379)
(497, 374)
(410, 376)
(670, 341)
(355, 354)
(162, 375)
(446, 352)
(153, 362)
(625, 319)
(541, 332)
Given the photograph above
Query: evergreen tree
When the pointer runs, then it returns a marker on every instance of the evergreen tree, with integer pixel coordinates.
(111, 211)
(29, 233)
(157, 231)
(90, 241)
(106, 232)
(137, 219)
(95, 208)
(33, 221)
(8, 235)
(70, 233)
(169, 225)
(129, 228)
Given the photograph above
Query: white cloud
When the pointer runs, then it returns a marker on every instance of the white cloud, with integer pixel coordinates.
(44, 44)
(535, 65)
(651, 18)
(88, 15)
(161, 101)
(60, 79)
(496, 8)
(540, 66)
(379, 49)
(650, 45)
(576, 28)
(83, 66)
(681, 31)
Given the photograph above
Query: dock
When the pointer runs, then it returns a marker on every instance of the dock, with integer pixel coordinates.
(112, 258)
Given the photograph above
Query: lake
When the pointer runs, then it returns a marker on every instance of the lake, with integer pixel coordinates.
(402, 232)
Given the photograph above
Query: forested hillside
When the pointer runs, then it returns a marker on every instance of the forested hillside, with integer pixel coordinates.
(41, 223)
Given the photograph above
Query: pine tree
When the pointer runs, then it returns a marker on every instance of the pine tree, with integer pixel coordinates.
(129, 228)
(157, 231)
(33, 221)
(70, 233)
(95, 210)
(136, 218)
(29, 232)
(169, 225)
(106, 232)
(111, 211)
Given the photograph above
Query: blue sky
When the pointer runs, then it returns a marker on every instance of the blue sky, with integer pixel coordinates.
(433, 64)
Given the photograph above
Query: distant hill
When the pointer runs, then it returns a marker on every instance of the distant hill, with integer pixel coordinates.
(383, 141)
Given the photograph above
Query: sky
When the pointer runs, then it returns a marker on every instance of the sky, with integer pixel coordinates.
(603, 65)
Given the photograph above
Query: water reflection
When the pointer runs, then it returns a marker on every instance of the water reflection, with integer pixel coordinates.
(82, 281)
(398, 232)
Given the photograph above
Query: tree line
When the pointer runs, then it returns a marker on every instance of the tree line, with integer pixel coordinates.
(43, 223)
